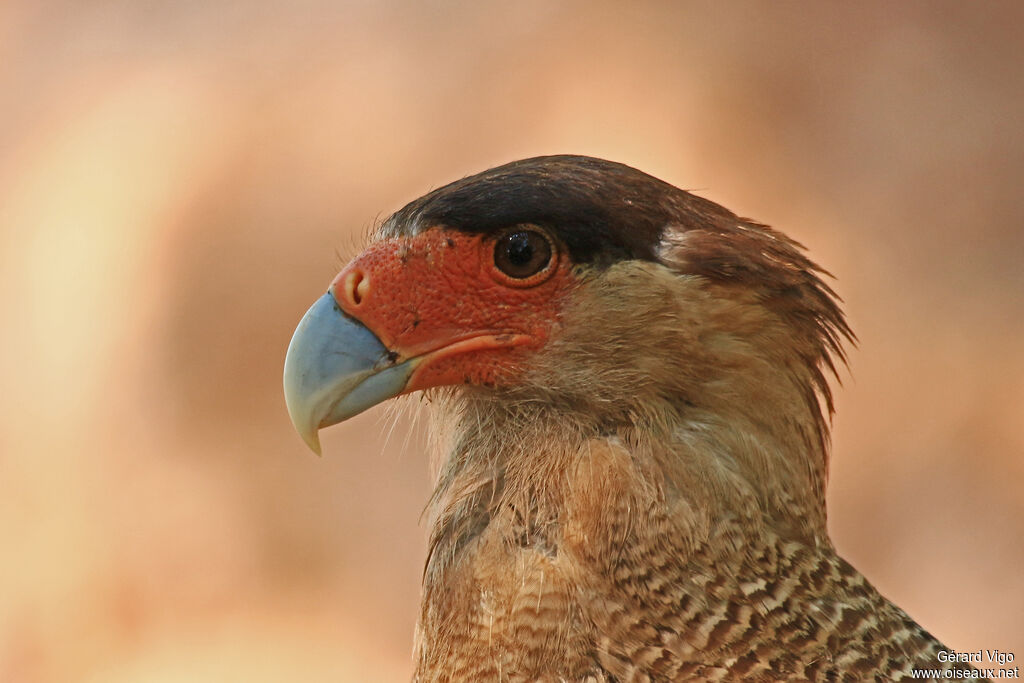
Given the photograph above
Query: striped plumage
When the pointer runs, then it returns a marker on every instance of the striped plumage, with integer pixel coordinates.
(638, 492)
(622, 594)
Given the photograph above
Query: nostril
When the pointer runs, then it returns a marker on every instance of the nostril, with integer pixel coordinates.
(357, 286)
(362, 288)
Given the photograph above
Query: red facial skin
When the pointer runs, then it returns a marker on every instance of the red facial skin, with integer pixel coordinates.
(439, 295)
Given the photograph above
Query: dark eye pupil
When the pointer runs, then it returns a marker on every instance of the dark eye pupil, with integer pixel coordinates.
(522, 253)
(519, 249)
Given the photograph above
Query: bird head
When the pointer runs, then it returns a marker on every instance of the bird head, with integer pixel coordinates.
(578, 289)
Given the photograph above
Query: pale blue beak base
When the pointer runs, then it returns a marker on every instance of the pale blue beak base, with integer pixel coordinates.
(336, 368)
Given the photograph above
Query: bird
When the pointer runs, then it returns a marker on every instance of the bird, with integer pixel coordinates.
(629, 396)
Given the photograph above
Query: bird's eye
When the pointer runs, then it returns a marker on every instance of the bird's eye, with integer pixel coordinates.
(522, 253)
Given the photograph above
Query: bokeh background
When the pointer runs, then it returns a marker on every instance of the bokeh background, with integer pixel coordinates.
(180, 180)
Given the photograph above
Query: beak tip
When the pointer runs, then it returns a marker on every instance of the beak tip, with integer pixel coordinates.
(303, 415)
(307, 431)
(313, 441)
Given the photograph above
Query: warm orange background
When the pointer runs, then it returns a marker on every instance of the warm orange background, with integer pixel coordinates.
(180, 180)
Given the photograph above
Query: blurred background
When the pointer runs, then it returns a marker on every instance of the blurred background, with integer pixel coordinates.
(180, 180)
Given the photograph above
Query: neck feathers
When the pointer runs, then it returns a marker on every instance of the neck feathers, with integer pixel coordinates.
(709, 368)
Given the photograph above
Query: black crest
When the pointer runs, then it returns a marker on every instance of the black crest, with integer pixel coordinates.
(601, 210)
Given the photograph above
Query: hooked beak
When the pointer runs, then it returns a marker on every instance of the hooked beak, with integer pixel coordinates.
(337, 368)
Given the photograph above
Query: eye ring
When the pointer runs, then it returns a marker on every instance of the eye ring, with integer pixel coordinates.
(524, 256)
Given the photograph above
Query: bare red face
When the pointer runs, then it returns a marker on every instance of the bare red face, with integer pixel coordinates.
(470, 306)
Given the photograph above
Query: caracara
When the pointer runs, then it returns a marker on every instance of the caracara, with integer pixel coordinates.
(628, 385)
